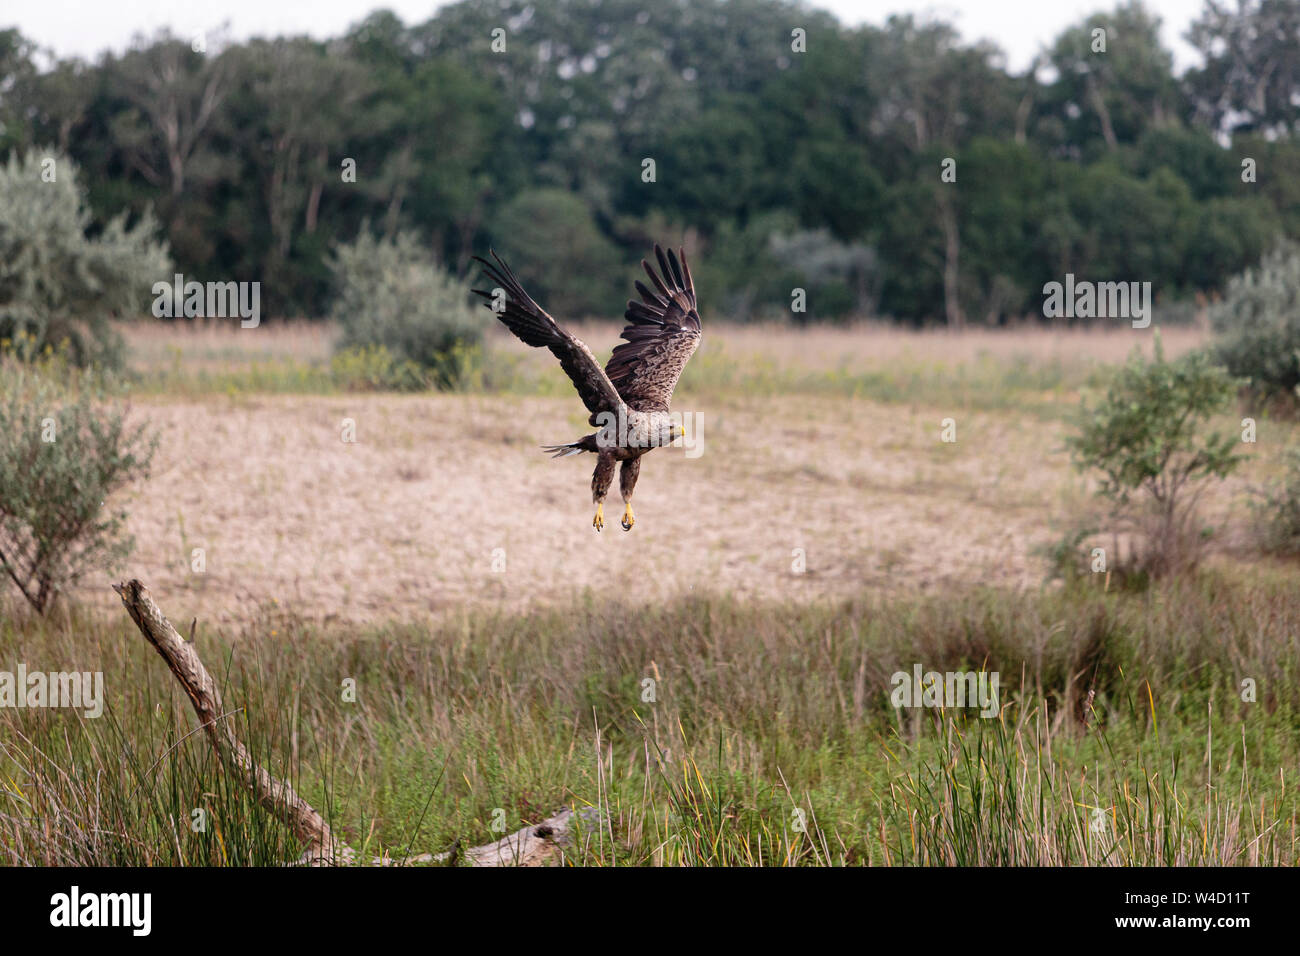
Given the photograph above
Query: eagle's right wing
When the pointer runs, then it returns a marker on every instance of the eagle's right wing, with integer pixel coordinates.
(535, 327)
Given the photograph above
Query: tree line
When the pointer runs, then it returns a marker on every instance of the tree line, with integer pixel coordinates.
(895, 170)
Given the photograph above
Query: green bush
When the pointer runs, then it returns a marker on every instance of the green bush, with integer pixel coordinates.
(1146, 439)
(62, 456)
(58, 286)
(1277, 510)
(392, 295)
(1258, 323)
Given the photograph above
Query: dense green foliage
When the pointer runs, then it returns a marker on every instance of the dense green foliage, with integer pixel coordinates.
(786, 166)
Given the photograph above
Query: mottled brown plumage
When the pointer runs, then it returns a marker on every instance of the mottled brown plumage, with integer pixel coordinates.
(630, 397)
(663, 335)
(534, 326)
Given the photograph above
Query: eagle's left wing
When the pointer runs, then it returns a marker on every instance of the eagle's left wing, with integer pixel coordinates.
(534, 326)
(664, 333)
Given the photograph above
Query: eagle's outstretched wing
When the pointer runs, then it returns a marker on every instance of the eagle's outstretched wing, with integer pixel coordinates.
(663, 334)
(534, 326)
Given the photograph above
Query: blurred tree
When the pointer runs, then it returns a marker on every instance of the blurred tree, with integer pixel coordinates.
(1002, 212)
(1225, 236)
(940, 94)
(1251, 78)
(552, 244)
(58, 101)
(836, 186)
(1277, 179)
(1128, 228)
(18, 73)
(710, 168)
(451, 132)
(1112, 95)
(174, 93)
(742, 275)
(769, 123)
(1208, 169)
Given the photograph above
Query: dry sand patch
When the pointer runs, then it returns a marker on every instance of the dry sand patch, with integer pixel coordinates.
(406, 521)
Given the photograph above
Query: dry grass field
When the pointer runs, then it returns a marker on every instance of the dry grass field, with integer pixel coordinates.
(825, 441)
(217, 345)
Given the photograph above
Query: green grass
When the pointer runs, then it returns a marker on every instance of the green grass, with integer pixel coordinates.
(987, 382)
(1122, 738)
(1041, 387)
(370, 369)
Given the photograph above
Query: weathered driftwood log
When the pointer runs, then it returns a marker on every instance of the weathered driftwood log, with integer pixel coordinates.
(534, 845)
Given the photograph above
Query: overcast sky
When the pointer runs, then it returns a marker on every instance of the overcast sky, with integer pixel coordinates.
(87, 27)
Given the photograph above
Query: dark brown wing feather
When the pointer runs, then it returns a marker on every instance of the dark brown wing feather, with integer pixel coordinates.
(535, 327)
(663, 334)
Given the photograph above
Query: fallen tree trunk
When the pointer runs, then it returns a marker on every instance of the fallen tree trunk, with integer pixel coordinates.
(532, 845)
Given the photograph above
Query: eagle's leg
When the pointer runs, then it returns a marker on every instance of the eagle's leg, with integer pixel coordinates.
(601, 479)
(627, 474)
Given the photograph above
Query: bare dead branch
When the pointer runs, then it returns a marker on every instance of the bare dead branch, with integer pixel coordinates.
(533, 845)
(271, 794)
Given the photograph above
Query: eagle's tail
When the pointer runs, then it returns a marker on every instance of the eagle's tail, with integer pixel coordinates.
(586, 443)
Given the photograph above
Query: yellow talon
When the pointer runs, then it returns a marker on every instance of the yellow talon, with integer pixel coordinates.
(598, 522)
(628, 518)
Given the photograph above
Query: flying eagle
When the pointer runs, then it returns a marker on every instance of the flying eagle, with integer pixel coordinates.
(628, 398)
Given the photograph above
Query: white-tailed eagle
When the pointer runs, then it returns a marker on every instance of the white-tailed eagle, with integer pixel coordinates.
(628, 398)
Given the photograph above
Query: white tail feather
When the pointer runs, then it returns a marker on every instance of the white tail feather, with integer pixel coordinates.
(563, 451)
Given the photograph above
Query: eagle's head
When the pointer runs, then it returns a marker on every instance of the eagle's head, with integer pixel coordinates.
(664, 433)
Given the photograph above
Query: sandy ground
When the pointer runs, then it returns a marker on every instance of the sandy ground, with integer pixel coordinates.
(445, 501)
(408, 520)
